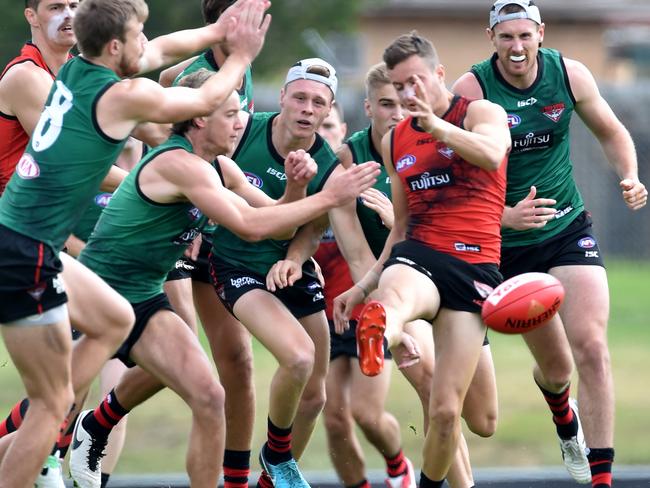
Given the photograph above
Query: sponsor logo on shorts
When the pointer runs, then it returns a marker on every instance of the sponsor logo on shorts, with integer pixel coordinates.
(277, 173)
(27, 168)
(102, 199)
(328, 236)
(318, 297)
(554, 112)
(405, 162)
(464, 247)
(532, 140)
(244, 281)
(186, 237)
(428, 180)
(254, 180)
(446, 152)
(314, 285)
(513, 120)
(183, 264)
(36, 292)
(587, 242)
(591, 254)
(57, 283)
(482, 289)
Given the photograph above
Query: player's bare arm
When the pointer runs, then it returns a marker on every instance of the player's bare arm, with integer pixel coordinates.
(468, 86)
(614, 138)
(23, 91)
(486, 141)
(170, 48)
(168, 75)
(113, 179)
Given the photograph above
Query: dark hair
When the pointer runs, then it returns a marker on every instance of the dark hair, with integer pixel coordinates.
(97, 22)
(212, 9)
(193, 80)
(33, 4)
(408, 45)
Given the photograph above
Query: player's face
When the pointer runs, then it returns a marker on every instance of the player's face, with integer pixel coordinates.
(132, 48)
(384, 108)
(304, 105)
(517, 43)
(54, 18)
(402, 76)
(225, 125)
(333, 129)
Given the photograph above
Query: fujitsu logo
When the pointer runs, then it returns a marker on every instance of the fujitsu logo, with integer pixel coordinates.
(428, 180)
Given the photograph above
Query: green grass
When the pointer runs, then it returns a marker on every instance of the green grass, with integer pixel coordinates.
(525, 437)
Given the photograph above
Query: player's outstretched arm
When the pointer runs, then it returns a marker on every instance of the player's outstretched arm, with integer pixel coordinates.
(231, 25)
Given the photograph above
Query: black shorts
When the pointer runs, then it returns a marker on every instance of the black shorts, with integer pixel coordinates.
(346, 344)
(574, 245)
(462, 286)
(143, 312)
(29, 277)
(304, 298)
(198, 270)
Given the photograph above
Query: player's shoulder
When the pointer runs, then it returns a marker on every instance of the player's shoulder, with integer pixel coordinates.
(468, 86)
(25, 73)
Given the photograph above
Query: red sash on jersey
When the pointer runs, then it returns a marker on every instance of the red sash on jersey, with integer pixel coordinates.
(13, 139)
(454, 207)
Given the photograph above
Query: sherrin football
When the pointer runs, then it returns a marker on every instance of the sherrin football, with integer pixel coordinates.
(523, 303)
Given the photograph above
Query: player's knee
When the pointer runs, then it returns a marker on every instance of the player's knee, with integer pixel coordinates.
(236, 366)
(312, 401)
(484, 425)
(300, 366)
(444, 415)
(368, 419)
(53, 401)
(338, 422)
(207, 398)
(592, 357)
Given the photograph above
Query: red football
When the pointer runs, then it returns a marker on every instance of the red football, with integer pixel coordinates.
(523, 303)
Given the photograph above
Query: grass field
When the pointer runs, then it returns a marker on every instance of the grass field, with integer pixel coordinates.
(525, 437)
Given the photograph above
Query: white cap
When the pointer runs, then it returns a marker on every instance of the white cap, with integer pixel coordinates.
(530, 12)
(302, 70)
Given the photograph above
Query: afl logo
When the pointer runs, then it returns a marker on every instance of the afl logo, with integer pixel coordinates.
(254, 179)
(27, 168)
(405, 162)
(102, 199)
(194, 214)
(513, 120)
(587, 242)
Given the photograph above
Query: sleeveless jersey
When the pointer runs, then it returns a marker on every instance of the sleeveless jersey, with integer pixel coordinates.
(264, 168)
(13, 137)
(538, 118)
(137, 241)
(334, 267)
(454, 207)
(206, 60)
(66, 159)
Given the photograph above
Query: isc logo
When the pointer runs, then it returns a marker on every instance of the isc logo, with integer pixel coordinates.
(527, 103)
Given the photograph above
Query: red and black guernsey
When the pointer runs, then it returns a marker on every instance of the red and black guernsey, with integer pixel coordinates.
(454, 207)
(13, 138)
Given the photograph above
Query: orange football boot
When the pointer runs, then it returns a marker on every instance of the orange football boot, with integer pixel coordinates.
(370, 338)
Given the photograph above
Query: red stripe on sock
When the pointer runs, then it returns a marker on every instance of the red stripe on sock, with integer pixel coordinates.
(279, 438)
(601, 479)
(111, 413)
(99, 416)
(16, 417)
(64, 441)
(236, 473)
(564, 419)
(230, 484)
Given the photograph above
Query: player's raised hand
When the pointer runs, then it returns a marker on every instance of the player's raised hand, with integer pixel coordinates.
(380, 203)
(343, 306)
(247, 27)
(300, 167)
(348, 184)
(635, 193)
(419, 105)
(529, 213)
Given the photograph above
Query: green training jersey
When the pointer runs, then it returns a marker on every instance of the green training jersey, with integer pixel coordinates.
(264, 168)
(538, 118)
(66, 159)
(362, 149)
(206, 60)
(137, 241)
(87, 222)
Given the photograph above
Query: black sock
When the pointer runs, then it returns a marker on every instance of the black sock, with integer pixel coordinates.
(600, 462)
(566, 422)
(236, 468)
(105, 417)
(427, 483)
(278, 447)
